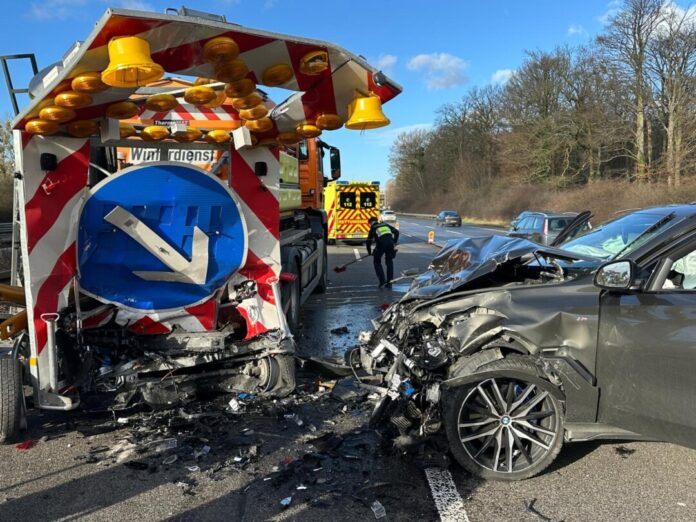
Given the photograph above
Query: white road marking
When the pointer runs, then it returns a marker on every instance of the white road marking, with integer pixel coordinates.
(357, 254)
(447, 499)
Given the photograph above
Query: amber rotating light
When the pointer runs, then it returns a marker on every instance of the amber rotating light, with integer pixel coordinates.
(89, 82)
(130, 63)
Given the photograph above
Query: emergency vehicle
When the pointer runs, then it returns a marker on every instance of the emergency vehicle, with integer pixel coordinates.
(149, 279)
(349, 204)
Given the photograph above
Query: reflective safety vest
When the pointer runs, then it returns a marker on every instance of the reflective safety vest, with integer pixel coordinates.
(383, 230)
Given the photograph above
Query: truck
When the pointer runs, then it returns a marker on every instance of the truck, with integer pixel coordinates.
(162, 252)
(349, 205)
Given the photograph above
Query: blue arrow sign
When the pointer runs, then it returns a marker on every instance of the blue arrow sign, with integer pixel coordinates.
(159, 237)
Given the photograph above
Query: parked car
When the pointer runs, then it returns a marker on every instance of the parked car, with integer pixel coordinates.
(544, 227)
(511, 348)
(448, 218)
(388, 216)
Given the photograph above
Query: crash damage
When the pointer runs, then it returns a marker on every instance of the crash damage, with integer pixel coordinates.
(481, 299)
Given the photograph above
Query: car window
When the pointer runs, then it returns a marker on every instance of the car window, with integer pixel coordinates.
(537, 224)
(525, 223)
(620, 236)
(682, 274)
(558, 224)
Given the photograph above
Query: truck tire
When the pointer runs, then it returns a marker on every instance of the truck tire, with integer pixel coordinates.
(11, 399)
(324, 279)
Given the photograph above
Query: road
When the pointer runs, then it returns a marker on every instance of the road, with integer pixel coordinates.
(77, 472)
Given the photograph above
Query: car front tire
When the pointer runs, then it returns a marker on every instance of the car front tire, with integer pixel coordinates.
(509, 424)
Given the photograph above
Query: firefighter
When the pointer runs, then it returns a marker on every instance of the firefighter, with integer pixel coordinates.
(385, 238)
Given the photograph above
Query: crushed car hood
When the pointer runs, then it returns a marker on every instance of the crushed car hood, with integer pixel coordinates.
(462, 261)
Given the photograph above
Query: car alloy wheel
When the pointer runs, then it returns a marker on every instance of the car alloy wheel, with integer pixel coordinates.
(506, 427)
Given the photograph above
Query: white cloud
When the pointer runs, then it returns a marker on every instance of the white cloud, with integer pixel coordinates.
(442, 70)
(502, 76)
(613, 8)
(385, 62)
(386, 137)
(55, 9)
(577, 30)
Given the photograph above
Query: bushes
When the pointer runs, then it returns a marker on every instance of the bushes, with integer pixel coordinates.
(503, 201)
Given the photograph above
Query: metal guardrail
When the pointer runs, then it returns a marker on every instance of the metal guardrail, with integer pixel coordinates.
(421, 216)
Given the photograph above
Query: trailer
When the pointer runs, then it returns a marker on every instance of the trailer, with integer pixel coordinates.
(169, 233)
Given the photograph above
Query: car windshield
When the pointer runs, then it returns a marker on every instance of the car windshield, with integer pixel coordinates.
(450, 213)
(620, 236)
(387, 212)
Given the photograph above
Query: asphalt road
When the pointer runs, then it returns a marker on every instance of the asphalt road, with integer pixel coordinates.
(81, 472)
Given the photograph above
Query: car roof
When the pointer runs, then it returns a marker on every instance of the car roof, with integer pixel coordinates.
(530, 213)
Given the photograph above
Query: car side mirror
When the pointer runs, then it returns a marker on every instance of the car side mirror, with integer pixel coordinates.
(616, 275)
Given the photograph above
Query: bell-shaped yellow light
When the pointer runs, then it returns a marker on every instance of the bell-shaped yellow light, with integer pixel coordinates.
(365, 112)
(190, 134)
(61, 87)
(57, 114)
(42, 105)
(217, 136)
(161, 102)
(247, 102)
(203, 81)
(260, 125)
(308, 130)
(254, 113)
(288, 138)
(126, 130)
(314, 62)
(154, 133)
(277, 75)
(231, 71)
(82, 128)
(72, 99)
(41, 127)
(130, 63)
(240, 88)
(326, 121)
(220, 49)
(122, 110)
(89, 82)
(199, 95)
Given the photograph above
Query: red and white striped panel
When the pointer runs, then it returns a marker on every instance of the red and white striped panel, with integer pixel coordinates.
(177, 46)
(50, 203)
(261, 208)
(190, 112)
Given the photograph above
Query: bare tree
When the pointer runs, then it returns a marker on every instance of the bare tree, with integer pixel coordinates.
(672, 67)
(626, 43)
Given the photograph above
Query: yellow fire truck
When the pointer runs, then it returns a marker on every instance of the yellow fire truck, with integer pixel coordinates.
(348, 205)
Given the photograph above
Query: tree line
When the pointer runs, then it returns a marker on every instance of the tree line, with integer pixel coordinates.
(620, 108)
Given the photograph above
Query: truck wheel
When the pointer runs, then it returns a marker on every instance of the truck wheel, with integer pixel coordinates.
(11, 399)
(507, 425)
(324, 279)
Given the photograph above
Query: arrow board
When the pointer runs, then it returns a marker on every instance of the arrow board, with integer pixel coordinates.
(159, 237)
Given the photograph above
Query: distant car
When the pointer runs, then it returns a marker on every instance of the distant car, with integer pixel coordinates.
(448, 218)
(544, 227)
(388, 215)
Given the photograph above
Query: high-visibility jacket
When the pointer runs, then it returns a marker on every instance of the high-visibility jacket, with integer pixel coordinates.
(383, 235)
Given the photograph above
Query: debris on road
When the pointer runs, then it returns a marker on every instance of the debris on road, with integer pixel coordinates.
(531, 509)
(286, 502)
(25, 445)
(378, 510)
(341, 330)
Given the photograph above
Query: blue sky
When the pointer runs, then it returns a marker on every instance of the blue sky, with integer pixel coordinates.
(436, 50)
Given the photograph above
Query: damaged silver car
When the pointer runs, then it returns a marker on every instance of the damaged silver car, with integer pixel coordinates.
(510, 348)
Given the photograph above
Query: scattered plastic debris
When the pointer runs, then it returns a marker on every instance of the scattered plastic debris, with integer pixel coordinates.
(286, 502)
(122, 420)
(171, 459)
(24, 446)
(163, 445)
(234, 405)
(193, 469)
(378, 509)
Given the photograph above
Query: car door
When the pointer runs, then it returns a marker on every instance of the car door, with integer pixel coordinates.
(646, 354)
